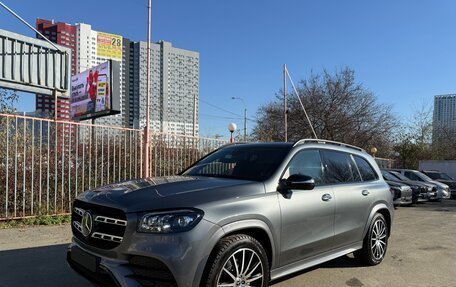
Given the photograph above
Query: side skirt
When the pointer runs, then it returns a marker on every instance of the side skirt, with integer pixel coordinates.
(315, 260)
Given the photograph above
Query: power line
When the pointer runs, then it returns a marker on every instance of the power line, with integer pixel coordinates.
(220, 117)
(229, 118)
(219, 108)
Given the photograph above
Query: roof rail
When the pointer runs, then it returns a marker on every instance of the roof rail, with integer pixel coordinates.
(319, 141)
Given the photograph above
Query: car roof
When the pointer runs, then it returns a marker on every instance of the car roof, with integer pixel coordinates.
(325, 143)
(328, 143)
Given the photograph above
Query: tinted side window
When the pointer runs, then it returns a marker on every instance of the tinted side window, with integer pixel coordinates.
(412, 176)
(339, 167)
(306, 162)
(366, 170)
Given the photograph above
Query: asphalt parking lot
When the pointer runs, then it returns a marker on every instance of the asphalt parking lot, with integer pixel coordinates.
(421, 252)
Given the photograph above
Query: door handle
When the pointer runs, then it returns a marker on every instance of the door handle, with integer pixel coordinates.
(326, 197)
(365, 192)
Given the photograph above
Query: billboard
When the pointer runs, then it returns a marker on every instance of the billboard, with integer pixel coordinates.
(109, 46)
(96, 92)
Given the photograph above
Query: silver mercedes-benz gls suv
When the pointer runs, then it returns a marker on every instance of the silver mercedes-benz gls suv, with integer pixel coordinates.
(241, 216)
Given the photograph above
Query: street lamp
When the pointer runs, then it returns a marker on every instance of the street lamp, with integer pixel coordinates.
(373, 151)
(231, 127)
(245, 116)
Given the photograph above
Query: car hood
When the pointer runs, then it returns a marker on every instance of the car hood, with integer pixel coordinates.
(439, 184)
(395, 183)
(168, 192)
(450, 183)
(420, 183)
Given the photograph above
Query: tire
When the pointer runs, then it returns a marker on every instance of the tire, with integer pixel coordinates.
(238, 260)
(375, 243)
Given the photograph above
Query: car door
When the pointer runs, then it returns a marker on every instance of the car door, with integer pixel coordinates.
(307, 215)
(353, 197)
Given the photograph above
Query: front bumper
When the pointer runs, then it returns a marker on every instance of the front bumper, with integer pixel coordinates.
(453, 193)
(102, 276)
(403, 200)
(443, 193)
(148, 259)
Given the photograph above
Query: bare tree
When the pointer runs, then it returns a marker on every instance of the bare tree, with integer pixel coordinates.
(413, 141)
(339, 108)
(7, 100)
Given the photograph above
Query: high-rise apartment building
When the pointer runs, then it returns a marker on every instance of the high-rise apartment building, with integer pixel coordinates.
(94, 48)
(63, 34)
(444, 117)
(174, 77)
(174, 88)
(89, 48)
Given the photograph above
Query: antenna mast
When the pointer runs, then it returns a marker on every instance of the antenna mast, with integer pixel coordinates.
(285, 101)
(302, 106)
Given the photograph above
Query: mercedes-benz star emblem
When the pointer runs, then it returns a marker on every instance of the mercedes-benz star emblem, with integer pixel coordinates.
(86, 224)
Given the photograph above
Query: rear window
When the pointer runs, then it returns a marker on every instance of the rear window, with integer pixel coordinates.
(365, 169)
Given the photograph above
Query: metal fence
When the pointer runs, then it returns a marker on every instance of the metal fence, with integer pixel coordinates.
(45, 163)
(386, 162)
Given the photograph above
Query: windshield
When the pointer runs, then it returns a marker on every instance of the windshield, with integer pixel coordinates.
(251, 162)
(423, 176)
(388, 176)
(399, 175)
(438, 175)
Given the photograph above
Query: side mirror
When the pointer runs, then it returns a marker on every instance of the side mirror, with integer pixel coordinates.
(300, 181)
(296, 181)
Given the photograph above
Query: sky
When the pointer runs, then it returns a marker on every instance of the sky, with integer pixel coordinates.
(402, 51)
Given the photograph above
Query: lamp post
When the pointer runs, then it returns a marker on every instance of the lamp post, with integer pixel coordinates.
(396, 159)
(373, 151)
(245, 116)
(146, 166)
(231, 128)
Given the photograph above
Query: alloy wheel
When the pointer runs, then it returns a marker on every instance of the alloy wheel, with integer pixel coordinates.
(378, 240)
(243, 268)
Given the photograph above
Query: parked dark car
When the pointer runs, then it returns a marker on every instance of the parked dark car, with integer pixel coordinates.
(419, 190)
(443, 190)
(402, 193)
(444, 178)
(428, 191)
(389, 178)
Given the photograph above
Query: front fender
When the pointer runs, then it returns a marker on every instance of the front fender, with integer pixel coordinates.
(238, 226)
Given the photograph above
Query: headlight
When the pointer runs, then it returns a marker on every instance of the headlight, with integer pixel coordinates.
(169, 222)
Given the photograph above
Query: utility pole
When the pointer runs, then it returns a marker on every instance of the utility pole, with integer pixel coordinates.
(245, 116)
(146, 171)
(194, 115)
(245, 123)
(285, 101)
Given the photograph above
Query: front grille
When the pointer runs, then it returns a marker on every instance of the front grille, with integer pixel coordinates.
(150, 272)
(108, 225)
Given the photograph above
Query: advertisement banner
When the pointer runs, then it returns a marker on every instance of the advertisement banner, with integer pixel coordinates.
(90, 93)
(109, 45)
